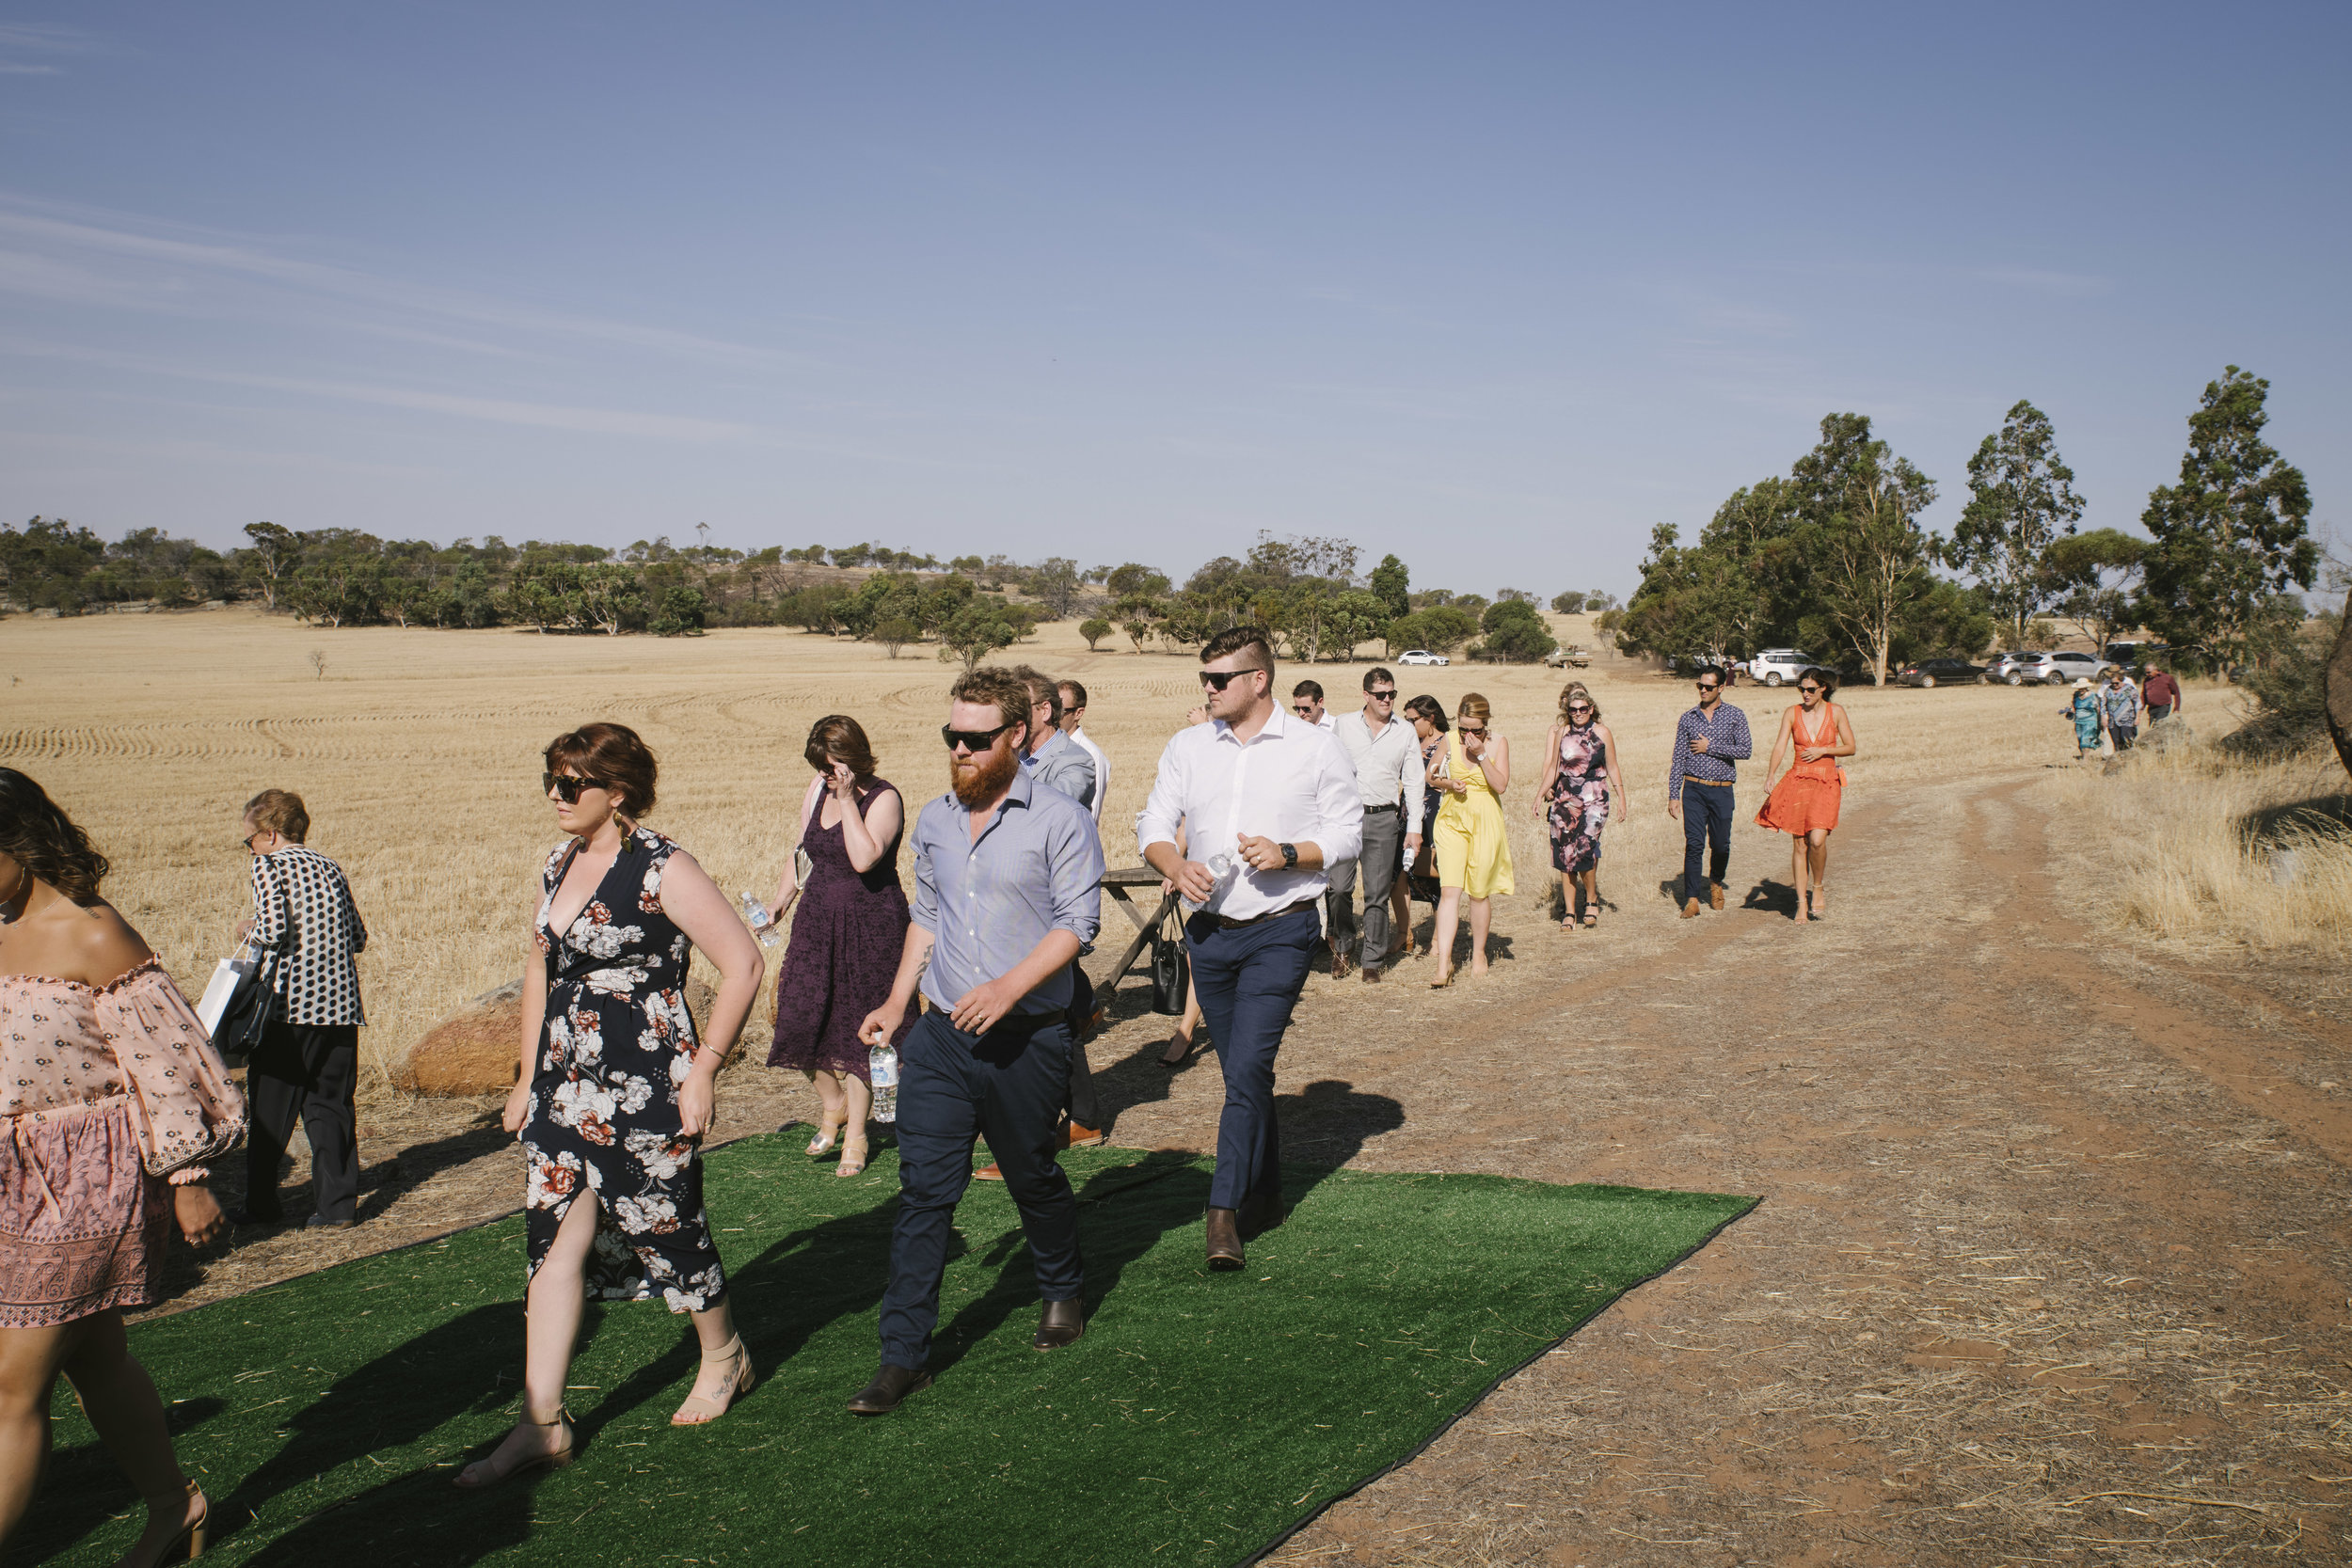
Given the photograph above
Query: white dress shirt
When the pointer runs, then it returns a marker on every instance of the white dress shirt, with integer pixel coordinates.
(1290, 782)
(1388, 764)
(1102, 773)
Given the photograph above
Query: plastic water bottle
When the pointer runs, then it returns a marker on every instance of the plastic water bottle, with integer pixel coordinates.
(756, 916)
(881, 1065)
(1221, 866)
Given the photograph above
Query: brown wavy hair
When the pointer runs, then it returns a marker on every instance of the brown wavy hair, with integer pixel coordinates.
(615, 754)
(36, 832)
(838, 736)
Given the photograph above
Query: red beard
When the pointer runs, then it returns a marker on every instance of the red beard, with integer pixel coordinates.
(992, 770)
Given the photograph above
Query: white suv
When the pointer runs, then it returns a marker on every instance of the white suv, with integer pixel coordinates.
(1422, 656)
(1779, 666)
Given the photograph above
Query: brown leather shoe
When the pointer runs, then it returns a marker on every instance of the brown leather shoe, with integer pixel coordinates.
(1715, 894)
(989, 1172)
(1075, 1136)
(1061, 1323)
(1225, 1252)
(1372, 976)
(1690, 909)
(890, 1386)
(1340, 966)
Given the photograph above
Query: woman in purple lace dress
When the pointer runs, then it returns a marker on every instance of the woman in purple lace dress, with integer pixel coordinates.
(846, 938)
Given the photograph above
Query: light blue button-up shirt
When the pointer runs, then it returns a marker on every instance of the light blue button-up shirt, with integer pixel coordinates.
(1038, 867)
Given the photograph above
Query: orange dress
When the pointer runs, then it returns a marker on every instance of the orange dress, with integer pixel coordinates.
(1807, 795)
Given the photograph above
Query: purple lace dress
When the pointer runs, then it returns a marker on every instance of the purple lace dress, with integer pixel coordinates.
(846, 935)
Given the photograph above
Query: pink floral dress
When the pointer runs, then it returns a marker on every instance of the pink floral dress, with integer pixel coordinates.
(106, 1091)
(616, 1045)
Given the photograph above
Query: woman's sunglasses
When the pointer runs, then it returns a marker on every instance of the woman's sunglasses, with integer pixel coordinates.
(1219, 679)
(1579, 707)
(1810, 690)
(567, 787)
(972, 741)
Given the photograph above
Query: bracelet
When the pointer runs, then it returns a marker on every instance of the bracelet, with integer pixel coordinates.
(189, 1176)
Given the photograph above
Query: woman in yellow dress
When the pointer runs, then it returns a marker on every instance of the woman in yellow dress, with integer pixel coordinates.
(1474, 856)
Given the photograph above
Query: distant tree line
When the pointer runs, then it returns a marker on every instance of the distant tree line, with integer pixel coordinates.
(1308, 592)
(1832, 557)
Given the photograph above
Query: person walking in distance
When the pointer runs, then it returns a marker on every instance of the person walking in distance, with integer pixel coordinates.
(1711, 741)
(1580, 778)
(1074, 718)
(1389, 776)
(2161, 692)
(1805, 803)
(1418, 878)
(1271, 801)
(852, 922)
(2119, 709)
(1473, 850)
(1307, 702)
(1007, 888)
(307, 1065)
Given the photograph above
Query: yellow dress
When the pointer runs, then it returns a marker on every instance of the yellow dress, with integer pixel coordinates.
(1473, 853)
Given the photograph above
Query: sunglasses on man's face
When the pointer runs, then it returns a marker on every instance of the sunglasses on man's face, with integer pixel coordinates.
(1219, 679)
(971, 740)
(567, 787)
(1708, 686)
(1387, 696)
(1302, 707)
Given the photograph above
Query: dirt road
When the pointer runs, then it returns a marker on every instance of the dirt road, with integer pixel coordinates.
(2051, 1266)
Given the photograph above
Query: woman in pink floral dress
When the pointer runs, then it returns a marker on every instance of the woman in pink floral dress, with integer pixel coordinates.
(115, 1100)
(615, 1089)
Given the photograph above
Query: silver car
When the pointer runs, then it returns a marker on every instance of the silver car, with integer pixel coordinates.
(1779, 666)
(2059, 669)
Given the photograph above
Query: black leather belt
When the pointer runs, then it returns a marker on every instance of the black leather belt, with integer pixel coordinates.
(1226, 923)
(1391, 806)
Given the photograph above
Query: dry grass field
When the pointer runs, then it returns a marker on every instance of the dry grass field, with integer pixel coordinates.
(418, 753)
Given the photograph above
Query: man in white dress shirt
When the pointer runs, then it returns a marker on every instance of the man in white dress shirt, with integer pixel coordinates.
(1074, 718)
(1387, 757)
(1278, 798)
(1307, 702)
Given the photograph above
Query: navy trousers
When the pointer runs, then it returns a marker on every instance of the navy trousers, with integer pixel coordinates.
(1705, 827)
(1010, 1085)
(1249, 979)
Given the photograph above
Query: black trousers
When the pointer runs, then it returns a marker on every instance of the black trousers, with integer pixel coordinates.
(1084, 1106)
(310, 1070)
(954, 1087)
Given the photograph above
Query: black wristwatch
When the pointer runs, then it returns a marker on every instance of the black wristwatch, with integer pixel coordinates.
(1290, 856)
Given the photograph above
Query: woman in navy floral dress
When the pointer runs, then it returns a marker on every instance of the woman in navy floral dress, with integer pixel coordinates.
(615, 1087)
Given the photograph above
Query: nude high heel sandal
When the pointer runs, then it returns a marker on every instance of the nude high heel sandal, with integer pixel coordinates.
(698, 1411)
(190, 1538)
(485, 1472)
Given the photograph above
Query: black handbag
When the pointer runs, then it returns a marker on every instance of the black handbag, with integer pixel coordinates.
(1171, 971)
(252, 1004)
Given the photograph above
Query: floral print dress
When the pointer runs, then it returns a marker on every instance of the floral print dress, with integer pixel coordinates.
(616, 1045)
(1580, 799)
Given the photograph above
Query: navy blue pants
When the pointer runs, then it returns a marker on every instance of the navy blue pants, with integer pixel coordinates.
(1009, 1084)
(1249, 979)
(1705, 827)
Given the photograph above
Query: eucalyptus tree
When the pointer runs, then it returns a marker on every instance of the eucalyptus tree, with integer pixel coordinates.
(2022, 503)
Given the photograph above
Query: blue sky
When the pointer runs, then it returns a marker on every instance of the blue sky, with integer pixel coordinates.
(1494, 288)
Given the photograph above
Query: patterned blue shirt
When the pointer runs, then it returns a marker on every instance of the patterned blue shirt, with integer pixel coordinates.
(1726, 744)
(2121, 704)
(1037, 869)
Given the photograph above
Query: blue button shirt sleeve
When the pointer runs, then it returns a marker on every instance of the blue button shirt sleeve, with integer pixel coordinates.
(1074, 852)
(1737, 746)
(926, 909)
(1673, 758)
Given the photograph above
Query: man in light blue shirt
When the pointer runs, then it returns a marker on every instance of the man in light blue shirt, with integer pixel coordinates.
(1007, 875)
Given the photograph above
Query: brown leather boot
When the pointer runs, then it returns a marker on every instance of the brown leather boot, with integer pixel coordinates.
(1225, 1252)
(1690, 909)
(1061, 1323)
(1715, 894)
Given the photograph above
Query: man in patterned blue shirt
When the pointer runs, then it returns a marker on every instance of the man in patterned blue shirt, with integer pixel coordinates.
(1007, 880)
(1710, 742)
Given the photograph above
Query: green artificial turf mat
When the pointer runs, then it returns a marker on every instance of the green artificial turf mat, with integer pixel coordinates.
(1201, 1417)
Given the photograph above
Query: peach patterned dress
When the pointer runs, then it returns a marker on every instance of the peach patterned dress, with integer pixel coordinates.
(107, 1091)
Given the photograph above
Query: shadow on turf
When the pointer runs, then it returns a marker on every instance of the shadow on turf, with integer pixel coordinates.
(798, 1286)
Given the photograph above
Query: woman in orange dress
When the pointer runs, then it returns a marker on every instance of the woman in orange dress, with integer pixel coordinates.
(1805, 803)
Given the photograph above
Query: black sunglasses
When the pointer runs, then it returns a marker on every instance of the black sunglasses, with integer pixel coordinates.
(1808, 688)
(972, 741)
(567, 787)
(1302, 707)
(1579, 707)
(1219, 679)
(1708, 686)
(1387, 696)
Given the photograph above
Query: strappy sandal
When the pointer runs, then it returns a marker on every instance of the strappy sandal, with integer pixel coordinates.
(485, 1472)
(821, 1144)
(187, 1543)
(1592, 916)
(852, 1165)
(700, 1411)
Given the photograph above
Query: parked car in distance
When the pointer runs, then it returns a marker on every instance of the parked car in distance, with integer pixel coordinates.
(1779, 666)
(2059, 669)
(1422, 656)
(1576, 659)
(1930, 672)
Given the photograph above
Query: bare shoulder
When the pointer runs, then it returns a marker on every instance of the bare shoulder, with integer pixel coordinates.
(91, 944)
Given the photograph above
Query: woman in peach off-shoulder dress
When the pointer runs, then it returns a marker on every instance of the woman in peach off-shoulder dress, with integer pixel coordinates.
(115, 1100)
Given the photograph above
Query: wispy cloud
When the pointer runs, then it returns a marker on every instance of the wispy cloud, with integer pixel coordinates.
(65, 253)
(24, 48)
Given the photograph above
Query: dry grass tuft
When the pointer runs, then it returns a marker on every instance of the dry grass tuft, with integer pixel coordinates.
(2184, 844)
